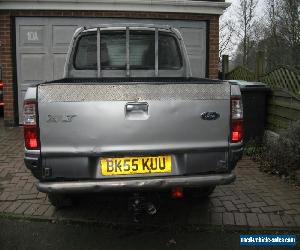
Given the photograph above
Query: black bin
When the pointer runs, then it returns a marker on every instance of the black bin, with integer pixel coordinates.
(254, 97)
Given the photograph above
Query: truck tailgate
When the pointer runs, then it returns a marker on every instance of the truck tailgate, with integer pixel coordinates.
(94, 120)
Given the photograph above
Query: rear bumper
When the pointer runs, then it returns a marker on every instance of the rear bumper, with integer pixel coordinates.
(135, 184)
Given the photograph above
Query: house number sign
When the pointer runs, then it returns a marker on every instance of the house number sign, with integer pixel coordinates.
(32, 36)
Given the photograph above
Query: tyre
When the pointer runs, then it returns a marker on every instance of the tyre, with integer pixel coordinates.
(60, 200)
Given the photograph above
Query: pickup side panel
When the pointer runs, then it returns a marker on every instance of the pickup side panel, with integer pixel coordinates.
(81, 123)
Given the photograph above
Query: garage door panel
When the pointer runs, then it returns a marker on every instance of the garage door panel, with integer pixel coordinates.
(42, 44)
(62, 35)
(32, 36)
(195, 51)
(58, 65)
(196, 64)
(33, 67)
(193, 37)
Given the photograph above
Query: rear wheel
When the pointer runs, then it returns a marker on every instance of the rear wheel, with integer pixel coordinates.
(60, 200)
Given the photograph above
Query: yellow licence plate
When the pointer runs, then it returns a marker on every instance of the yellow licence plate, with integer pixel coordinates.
(136, 165)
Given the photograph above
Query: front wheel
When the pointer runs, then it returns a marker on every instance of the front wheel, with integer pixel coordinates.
(60, 200)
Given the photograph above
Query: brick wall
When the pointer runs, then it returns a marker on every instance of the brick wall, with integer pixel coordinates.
(6, 50)
(7, 67)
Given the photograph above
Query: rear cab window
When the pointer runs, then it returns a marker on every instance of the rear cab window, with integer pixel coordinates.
(141, 51)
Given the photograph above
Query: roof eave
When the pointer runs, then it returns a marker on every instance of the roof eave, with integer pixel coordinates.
(171, 6)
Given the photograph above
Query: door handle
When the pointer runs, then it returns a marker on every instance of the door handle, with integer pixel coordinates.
(136, 107)
(136, 111)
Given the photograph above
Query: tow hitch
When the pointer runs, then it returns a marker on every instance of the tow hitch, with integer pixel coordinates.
(139, 205)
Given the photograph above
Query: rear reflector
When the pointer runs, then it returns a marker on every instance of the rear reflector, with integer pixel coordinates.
(236, 133)
(1, 93)
(236, 130)
(31, 135)
(177, 192)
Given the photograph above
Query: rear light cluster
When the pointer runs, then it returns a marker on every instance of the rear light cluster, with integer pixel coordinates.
(31, 136)
(1, 94)
(237, 126)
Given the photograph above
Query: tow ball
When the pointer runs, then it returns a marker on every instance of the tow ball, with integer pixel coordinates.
(139, 205)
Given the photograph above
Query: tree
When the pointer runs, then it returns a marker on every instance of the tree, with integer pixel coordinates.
(281, 41)
(276, 32)
(246, 16)
(271, 42)
(289, 28)
(227, 32)
(227, 41)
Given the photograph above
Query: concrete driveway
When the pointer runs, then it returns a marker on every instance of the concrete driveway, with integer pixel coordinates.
(255, 201)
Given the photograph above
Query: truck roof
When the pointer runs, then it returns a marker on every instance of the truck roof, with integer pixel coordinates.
(129, 25)
(132, 26)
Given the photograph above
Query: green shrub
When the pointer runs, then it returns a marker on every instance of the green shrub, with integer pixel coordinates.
(279, 154)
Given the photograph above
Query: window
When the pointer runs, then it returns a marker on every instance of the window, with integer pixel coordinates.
(86, 53)
(113, 50)
(141, 51)
(169, 56)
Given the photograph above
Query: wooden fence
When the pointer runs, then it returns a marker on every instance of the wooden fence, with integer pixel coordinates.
(283, 109)
(283, 77)
(240, 73)
(284, 100)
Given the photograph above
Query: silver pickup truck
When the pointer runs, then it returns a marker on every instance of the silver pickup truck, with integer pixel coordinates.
(129, 116)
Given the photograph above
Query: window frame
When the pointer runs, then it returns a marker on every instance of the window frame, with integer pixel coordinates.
(132, 67)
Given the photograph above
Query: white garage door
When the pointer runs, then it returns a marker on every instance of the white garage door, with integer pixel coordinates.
(42, 44)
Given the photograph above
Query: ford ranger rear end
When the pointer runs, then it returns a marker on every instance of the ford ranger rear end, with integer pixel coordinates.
(129, 116)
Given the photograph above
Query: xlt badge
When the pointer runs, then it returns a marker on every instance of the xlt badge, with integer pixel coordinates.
(60, 118)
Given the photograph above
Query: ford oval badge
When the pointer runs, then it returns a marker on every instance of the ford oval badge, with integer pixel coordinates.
(210, 116)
